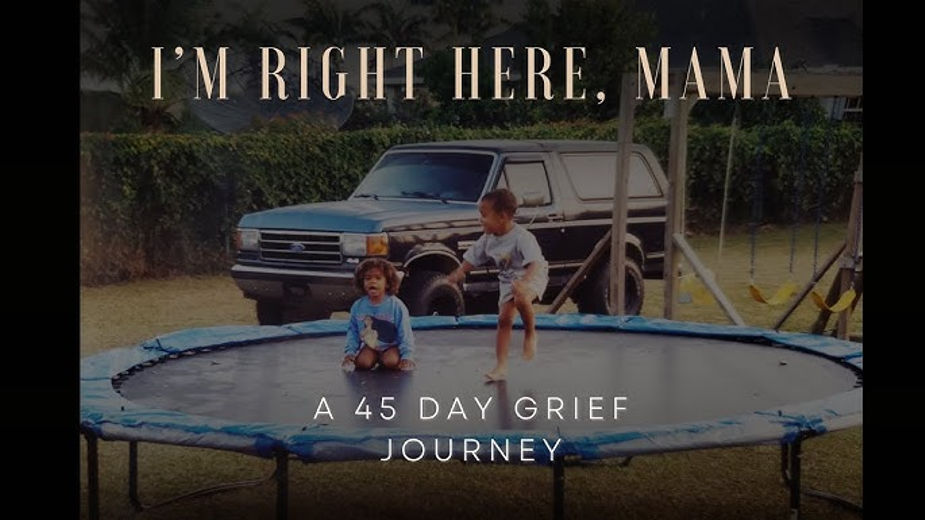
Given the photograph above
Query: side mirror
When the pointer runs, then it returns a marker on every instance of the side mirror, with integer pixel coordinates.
(532, 199)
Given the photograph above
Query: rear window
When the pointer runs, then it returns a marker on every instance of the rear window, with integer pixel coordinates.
(592, 175)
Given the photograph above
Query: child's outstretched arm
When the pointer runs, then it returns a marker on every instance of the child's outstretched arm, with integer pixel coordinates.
(459, 274)
(534, 263)
(530, 274)
(472, 258)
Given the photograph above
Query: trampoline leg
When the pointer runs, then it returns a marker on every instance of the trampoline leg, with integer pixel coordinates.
(795, 454)
(93, 477)
(558, 489)
(133, 476)
(785, 463)
(282, 485)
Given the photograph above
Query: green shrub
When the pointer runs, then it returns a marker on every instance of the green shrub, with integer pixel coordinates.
(160, 204)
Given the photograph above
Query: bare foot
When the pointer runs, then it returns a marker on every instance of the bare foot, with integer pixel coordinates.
(529, 345)
(498, 374)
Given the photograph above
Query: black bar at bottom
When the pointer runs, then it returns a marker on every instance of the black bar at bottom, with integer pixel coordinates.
(558, 489)
(282, 485)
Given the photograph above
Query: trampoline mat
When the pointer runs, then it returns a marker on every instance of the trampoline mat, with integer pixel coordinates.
(665, 380)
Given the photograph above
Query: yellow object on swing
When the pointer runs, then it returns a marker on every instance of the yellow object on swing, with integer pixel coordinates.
(782, 295)
(691, 290)
(846, 299)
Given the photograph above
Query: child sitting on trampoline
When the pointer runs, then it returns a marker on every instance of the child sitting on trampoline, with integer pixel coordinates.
(523, 272)
(379, 331)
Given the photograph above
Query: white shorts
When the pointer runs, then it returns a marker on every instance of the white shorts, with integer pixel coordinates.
(537, 285)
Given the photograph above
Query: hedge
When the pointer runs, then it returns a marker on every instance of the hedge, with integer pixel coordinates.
(160, 204)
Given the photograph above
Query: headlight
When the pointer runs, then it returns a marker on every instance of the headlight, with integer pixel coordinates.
(364, 245)
(247, 239)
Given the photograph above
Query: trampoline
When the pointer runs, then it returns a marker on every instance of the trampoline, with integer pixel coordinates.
(601, 387)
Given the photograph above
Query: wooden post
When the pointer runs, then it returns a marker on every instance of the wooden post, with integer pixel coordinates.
(677, 176)
(823, 319)
(580, 273)
(617, 294)
(852, 246)
(684, 248)
(809, 287)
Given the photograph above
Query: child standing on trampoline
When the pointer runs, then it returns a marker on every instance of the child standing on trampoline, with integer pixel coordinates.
(379, 331)
(523, 272)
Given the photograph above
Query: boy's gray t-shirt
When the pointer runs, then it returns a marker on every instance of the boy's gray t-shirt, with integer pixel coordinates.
(510, 252)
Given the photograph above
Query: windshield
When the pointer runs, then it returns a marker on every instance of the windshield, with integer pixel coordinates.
(428, 175)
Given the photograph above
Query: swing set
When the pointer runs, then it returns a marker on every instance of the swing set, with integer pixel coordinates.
(839, 299)
(846, 290)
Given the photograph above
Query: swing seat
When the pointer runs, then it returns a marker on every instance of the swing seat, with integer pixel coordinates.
(694, 292)
(845, 301)
(781, 296)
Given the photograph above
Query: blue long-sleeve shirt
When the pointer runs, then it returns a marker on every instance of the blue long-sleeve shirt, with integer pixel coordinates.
(390, 320)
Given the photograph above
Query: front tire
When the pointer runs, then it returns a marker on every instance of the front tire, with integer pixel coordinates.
(269, 312)
(594, 297)
(426, 293)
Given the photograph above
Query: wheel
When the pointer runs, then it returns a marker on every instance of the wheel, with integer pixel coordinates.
(482, 304)
(269, 312)
(304, 312)
(429, 292)
(594, 295)
(272, 312)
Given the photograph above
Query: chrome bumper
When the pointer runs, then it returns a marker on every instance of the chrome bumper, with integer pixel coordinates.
(335, 289)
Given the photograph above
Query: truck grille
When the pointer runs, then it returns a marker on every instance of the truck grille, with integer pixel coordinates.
(306, 247)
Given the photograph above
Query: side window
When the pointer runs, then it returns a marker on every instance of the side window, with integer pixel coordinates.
(641, 184)
(527, 180)
(592, 176)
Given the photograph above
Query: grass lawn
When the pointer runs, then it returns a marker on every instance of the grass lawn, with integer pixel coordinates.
(720, 483)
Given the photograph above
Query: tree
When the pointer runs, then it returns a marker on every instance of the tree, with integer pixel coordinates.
(326, 23)
(394, 24)
(116, 44)
(117, 36)
(472, 19)
(609, 30)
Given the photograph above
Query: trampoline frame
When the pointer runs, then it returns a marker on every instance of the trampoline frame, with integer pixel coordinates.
(800, 423)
